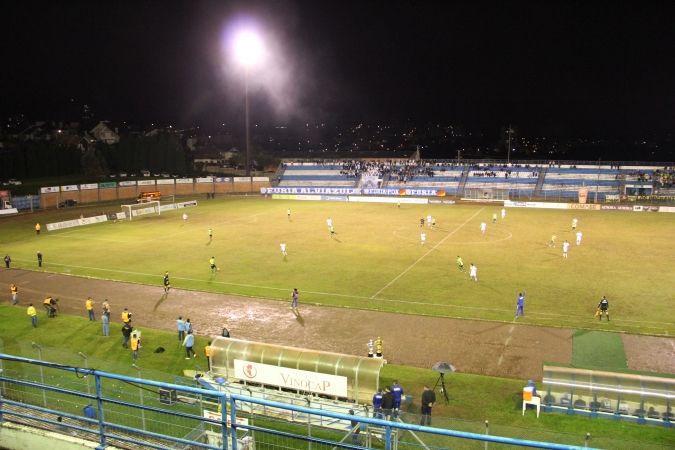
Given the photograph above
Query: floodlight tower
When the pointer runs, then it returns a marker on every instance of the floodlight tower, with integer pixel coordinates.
(248, 51)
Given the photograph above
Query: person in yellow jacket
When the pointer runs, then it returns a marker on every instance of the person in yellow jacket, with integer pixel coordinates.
(135, 346)
(126, 316)
(209, 350)
(32, 313)
(37, 228)
(89, 306)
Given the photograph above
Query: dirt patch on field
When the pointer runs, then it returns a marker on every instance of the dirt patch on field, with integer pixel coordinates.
(489, 348)
(656, 354)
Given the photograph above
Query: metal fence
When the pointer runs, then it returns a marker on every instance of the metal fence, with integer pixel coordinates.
(133, 412)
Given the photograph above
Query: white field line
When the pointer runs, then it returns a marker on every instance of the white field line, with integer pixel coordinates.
(424, 255)
(540, 315)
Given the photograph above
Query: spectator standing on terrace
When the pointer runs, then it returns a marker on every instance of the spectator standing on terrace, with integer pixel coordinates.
(428, 400)
(579, 236)
(106, 308)
(188, 343)
(8, 261)
(125, 316)
(89, 306)
(460, 263)
(105, 324)
(473, 272)
(483, 228)
(32, 313)
(135, 346)
(566, 249)
(294, 298)
(126, 334)
(180, 326)
(39, 258)
(15, 293)
(387, 403)
(575, 221)
(167, 282)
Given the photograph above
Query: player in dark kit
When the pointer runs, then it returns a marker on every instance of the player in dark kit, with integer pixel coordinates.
(603, 308)
(167, 283)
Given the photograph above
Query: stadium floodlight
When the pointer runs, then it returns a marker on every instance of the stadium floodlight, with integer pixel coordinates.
(248, 51)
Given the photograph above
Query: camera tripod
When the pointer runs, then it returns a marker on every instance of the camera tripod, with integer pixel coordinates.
(441, 381)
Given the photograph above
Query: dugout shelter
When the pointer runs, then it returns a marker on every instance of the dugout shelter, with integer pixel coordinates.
(330, 375)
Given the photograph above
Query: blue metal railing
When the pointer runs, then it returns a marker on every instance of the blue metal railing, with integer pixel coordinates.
(106, 430)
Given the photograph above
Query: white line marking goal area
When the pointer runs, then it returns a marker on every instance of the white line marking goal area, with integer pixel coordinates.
(427, 253)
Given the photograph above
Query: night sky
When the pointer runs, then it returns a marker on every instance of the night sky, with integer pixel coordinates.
(587, 68)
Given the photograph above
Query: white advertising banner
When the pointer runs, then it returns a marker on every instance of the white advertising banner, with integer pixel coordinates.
(89, 186)
(217, 416)
(127, 183)
(49, 189)
(184, 181)
(223, 179)
(166, 181)
(668, 209)
(204, 180)
(70, 187)
(300, 380)
(8, 211)
(76, 222)
(360, 199)
(543, 205)
(260, 179)
(146, 182)
(242, 179)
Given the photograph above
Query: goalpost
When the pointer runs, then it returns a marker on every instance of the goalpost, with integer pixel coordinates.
(142, 208)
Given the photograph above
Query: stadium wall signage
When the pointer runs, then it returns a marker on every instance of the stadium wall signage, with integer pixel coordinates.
(70, 187)
(166, 181)
(90, 186)
(128, 183)
(184, 181)
(48, 189)
(146, 182)
(311, 190)
(76, 222)
(301, 380)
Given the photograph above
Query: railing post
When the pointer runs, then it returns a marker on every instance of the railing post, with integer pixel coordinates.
(387, 437)
(223, 420)
(487, 433)
(233, 422)
(99, 405)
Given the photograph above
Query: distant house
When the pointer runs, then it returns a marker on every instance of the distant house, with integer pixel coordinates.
(105, 133)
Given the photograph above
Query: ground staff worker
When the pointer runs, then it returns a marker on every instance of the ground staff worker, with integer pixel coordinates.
(428, 400)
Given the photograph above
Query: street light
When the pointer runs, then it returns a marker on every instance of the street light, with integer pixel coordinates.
(248, 51)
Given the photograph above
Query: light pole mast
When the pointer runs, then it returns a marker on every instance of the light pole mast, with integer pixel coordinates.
(248, 127)
(508, 154)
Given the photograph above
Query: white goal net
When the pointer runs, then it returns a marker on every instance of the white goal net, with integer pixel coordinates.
(141, 209)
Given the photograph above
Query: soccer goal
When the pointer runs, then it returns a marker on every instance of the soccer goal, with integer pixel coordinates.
(142, 208)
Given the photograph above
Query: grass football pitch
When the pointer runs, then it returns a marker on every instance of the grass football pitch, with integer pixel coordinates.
(375, 259)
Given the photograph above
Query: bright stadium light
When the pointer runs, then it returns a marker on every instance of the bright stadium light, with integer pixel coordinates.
(248, 52)
(248, 48)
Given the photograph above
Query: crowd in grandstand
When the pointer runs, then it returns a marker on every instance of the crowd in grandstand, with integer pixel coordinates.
(664, 178)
